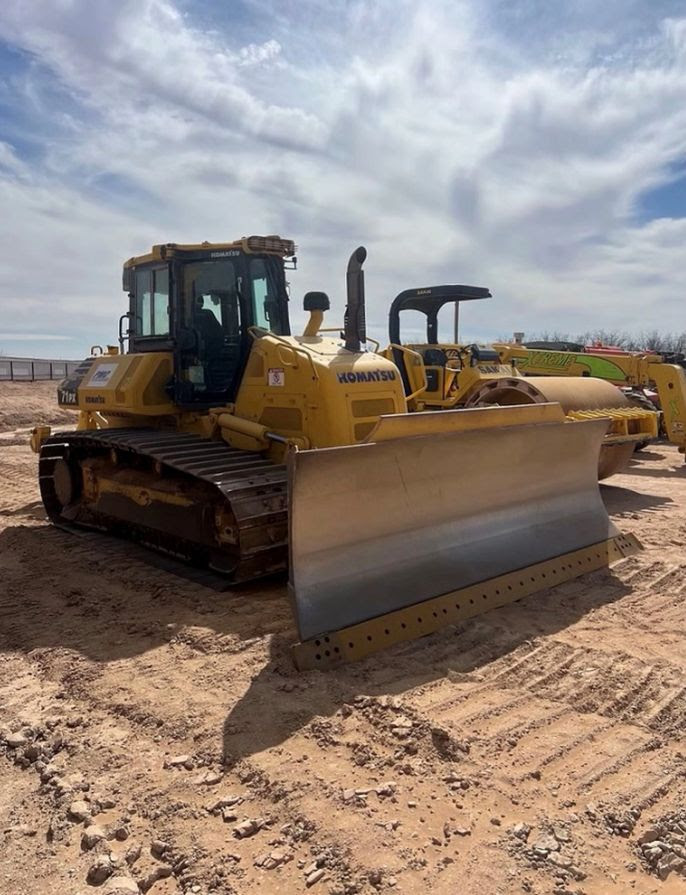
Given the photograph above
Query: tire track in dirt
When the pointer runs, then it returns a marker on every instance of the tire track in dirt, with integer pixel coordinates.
(561, 663)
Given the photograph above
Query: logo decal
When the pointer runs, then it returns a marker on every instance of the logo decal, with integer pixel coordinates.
(493, 368)
(101, 375)
(562, 360)
(67, 396)
(555, 359)
(367, 376)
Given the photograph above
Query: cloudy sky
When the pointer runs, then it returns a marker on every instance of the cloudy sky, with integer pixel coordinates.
(534, 147)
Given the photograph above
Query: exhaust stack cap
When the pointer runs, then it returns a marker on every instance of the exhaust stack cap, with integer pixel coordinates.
(354, 325)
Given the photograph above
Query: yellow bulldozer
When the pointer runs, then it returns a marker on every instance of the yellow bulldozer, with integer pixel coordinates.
(442, 376)
(215, 435)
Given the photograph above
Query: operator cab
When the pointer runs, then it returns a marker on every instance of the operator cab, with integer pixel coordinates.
(199, 302)
(441, 362)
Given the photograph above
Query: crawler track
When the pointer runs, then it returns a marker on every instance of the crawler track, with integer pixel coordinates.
(246, 487)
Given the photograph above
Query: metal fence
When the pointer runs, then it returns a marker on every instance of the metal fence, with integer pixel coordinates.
(34, 369)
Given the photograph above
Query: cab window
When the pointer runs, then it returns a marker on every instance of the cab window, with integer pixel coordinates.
(211, 312)
(152, 302)
(211, 291)
(260, 292)
(143, 302)
(267, 295)
(160, 305)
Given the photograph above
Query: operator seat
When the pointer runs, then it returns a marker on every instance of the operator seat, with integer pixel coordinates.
(212, 350)
(208, 328)
(434, 357)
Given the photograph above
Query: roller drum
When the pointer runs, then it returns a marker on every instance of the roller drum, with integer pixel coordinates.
(573, 394)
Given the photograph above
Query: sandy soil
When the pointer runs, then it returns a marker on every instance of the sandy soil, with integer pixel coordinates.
(23, 405)
(537, 748)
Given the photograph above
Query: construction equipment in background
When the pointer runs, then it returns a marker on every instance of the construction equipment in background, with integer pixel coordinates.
(645, 396)
(221, 439)
(445, 376)
(633, 372)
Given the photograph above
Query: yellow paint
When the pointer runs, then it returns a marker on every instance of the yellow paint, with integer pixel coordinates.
(143, 496)
(325, 396)
(39, 434)
(127, 385)
(324, 386)
(439, 422)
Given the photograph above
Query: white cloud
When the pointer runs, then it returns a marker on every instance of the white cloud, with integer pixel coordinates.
(30, 337)
(10, 162)
(460, 141)
(253, 54)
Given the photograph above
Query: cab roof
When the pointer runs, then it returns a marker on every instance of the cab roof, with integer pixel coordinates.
(270, 245)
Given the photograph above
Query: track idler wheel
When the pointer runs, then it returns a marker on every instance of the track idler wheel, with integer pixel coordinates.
(65, 483)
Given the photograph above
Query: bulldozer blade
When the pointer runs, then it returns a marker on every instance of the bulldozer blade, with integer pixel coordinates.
(357, 641)
(379, 526)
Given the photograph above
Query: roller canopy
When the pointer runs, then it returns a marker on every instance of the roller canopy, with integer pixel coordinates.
(429, 300)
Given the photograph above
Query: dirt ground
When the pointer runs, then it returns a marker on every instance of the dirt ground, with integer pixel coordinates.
(144, 720)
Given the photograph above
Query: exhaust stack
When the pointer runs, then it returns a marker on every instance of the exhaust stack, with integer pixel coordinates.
(354, 323)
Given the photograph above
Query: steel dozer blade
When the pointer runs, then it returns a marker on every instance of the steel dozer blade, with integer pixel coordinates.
(431, 510)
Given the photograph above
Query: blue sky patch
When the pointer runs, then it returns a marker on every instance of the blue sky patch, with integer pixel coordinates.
(667, 200)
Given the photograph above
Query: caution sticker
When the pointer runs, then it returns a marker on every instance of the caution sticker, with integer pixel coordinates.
(276, 376)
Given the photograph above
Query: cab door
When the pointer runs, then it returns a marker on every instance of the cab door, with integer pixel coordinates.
(210, 337)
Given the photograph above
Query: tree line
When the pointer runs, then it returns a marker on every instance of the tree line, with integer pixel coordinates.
(661, 343)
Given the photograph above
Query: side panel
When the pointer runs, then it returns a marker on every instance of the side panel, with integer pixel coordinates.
(312, 387)
(130, 384)
(542, 362)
